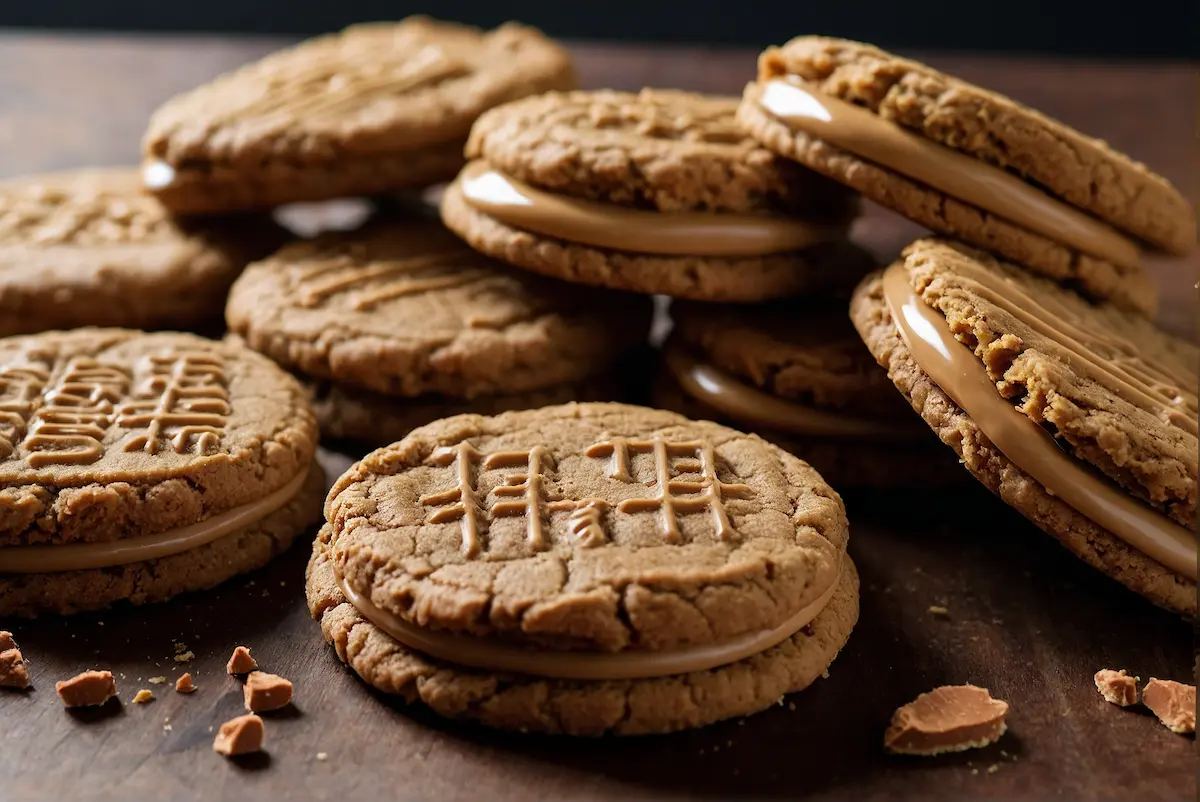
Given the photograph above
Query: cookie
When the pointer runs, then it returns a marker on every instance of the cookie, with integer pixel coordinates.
(969, 163)
(372, 109)
(89, 248)
(137, 466)
(655, 192)
(583, 569)
(1079, 415)
(796, 373)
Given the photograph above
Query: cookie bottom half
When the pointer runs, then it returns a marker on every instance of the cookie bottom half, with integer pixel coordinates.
(66, 592)
(573, 707)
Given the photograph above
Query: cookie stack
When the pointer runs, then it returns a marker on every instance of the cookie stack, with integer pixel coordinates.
(1022, 337)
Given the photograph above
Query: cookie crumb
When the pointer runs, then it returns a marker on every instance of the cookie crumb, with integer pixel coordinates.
(951, 718)
(265, 691)
(322, 756)
(992, 769)
(13, 673)
(1173, 702)
(239, 736)
(185, 657)
(89, 689)
(939, 610)
(184, 683)
(241, 662)
(143, 696)
(1117, 686)
(157, 680)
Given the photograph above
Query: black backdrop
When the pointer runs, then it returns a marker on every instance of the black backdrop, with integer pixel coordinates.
(1112, 28)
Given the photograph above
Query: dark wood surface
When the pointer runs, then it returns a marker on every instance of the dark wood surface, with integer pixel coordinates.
(1026, 619)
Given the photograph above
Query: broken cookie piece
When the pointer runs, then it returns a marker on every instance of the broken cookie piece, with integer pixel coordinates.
(184, 684)
(947, 719)
(1173, 702)
(265, 691)
(12, 664)
(1117, 686)
(143, 696)
(239, 736)
(241, 662)
(89, 689)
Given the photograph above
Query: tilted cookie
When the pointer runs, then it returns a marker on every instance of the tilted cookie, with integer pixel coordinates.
(796, 373)
(138, 466)
(969, 163)
(89, 248)
(1081, 416)
(655, 192)
(583, 569)
(375, 108)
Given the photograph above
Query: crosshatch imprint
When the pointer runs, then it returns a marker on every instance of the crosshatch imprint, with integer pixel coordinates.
(523, 493)
(586, 521)
(675, 497)
(183, 399)
(375, 284)
(20, 388)
(69, 426)
(460, 502)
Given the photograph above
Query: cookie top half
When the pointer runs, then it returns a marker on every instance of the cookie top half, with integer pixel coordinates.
(403, 307)
(111, 433)
(655, 149)
(588, 527)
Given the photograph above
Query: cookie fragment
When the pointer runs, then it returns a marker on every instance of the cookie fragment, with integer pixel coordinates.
(1117, 686)
(89, 689)
(1173, 702)
(240, 662)
(239, 736)
(12, 664)
(265, 691)
(143, 696)
(184, 683)
(951, 718)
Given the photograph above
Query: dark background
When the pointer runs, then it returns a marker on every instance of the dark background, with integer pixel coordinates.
(1105, 28)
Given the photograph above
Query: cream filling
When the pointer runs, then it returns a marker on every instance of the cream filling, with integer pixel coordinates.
(958, 175)
(463, 650)
(82, 556)
(606, 225)
(955, 369)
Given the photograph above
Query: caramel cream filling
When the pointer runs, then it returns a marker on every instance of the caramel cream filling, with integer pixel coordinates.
(955, 368)
(82, 556)
(606, 225)
(463, 650)
(745, 404)
(958, 175)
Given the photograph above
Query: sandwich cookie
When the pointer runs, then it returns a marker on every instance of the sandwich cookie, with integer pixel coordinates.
(797, 374)
(655, 192)
(400, 323)
(134, 467)
(969, 163)
(89, 248)
(372, 109)
(1081, 416)
(584, 569)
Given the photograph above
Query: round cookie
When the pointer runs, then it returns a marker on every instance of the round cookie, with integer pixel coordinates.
(375, 108)
(1082, 173)
(89, 248)
(1116, 394)
(657, 151)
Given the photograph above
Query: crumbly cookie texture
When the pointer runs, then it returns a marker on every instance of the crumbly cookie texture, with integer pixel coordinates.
(1129, 288)
(1080, 170)
(700, 278)
(89, 248)
(625, 707)
(549, 527)
(117, 433)
(661, 149)
(1094, 545)
(1117, 687)
(404, 308)
(151, 581)
(392, 102)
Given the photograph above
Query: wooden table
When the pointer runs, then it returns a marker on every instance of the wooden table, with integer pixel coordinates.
(1025, 619)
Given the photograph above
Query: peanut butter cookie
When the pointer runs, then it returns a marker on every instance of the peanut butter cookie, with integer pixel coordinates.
(969, 163)
(654, 192)
(136, 466)
(375, 108)
(1079, 415)
(89, 248)
(583, 569)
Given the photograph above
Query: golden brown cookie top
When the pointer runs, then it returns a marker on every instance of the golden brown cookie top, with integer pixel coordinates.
(658, 149)
(1080, 170)
(110, 433)
(372, 88)
(587, 526)
(403, 307)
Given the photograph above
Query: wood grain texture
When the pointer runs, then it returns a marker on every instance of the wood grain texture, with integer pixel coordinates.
(1025, 619)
